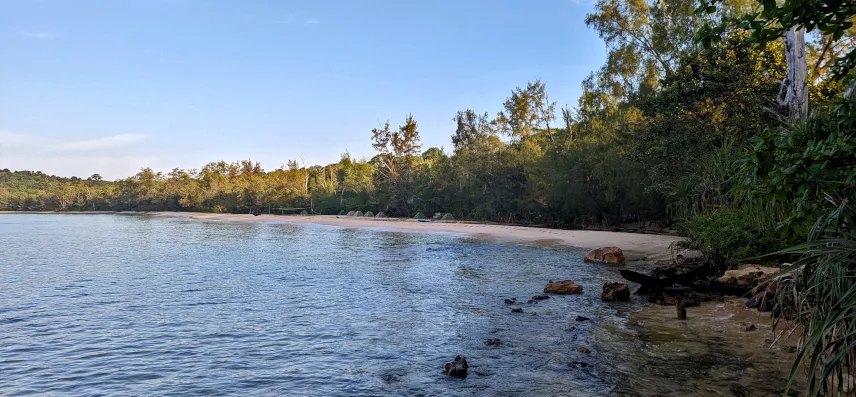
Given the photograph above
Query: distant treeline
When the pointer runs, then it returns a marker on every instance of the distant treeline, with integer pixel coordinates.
(660, 133)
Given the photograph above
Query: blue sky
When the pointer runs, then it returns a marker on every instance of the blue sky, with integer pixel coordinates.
(112, 86)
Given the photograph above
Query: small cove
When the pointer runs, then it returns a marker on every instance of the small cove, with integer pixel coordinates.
(136, 305)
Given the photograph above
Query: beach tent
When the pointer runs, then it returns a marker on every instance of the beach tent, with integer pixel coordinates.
(447, 217)
(368, 214)
(358, 213)
(381, 215)
(419, 215)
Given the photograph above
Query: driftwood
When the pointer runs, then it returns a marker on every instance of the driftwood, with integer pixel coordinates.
(689, 278)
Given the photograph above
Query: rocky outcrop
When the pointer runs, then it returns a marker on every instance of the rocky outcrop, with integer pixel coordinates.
(566, 287)
(613, 291)
(748, 275)
(612, 255)
(458, 367)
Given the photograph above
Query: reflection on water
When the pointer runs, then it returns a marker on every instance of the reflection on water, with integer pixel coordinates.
(156, 306)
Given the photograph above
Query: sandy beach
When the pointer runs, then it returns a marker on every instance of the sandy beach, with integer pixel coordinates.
(635, 246)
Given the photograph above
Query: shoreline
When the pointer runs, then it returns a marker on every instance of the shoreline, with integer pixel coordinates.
(636, 246)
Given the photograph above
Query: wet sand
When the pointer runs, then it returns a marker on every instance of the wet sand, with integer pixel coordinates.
(636, 246)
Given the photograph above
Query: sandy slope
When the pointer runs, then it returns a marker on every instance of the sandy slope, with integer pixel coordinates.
(635, 246)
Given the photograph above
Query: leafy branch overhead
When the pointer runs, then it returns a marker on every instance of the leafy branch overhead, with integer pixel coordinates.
(771, 20)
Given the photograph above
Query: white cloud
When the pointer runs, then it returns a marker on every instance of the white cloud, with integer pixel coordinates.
(110, 142)
(38, 35)
(312, 21)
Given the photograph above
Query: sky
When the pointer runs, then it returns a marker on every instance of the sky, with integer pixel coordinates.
(111, 86)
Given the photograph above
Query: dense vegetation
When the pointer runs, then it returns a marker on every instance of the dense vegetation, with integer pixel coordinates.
(695, 120)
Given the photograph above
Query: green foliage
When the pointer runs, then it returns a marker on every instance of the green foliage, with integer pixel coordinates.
(820, 300)
(772, 19)
(729, 236)
(793, 168)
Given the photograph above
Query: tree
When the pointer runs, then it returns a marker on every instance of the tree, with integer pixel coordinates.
(396, 152)
(526, 110)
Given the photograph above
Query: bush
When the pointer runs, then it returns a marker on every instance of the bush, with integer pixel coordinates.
(728, 236)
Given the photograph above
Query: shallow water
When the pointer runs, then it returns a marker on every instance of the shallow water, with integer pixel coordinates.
(139, 305)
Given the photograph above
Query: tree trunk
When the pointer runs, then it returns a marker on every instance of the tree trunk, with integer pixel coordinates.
(795, 85)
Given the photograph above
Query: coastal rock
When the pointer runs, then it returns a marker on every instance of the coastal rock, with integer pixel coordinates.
(613, 291)
(566, 287)
(611, 255)
(540, 297)
(583, 349)
(511, 301)
(582, 318)
(517, 310)
(457, 367)
(493, 342)
(748, 275)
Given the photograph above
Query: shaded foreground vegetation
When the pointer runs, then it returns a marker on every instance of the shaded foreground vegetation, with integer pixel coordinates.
(700, 137)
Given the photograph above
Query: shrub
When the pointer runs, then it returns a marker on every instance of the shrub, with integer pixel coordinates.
(728, 236)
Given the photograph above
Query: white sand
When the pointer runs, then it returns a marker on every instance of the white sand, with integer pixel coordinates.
(635, 246)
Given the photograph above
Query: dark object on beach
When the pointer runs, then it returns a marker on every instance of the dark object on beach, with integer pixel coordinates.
(517, 310)
(581, 318)
(457, 368)
(511, 301)
(540, 297)
(613, 291)
(682, 311)
(493, 342)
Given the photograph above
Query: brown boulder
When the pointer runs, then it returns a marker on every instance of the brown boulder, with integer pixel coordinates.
(748, 275)
(612, 255)
(613, 291)
(563, 287)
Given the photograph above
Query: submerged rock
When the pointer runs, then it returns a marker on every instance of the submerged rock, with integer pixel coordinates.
(457, 367)
(540, 297)
(582, 318)
(612, 255)
(493, 342)
(613, 291)
(517, 310)
(583, 349)
(566, 287)
(511, 301)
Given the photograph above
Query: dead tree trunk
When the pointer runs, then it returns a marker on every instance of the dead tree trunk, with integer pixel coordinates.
(793, 95)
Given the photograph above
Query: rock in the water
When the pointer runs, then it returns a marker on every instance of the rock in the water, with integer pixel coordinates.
(511, 301)
(563, 287)
(749, 327)
(457, 368)
(517, 310)
(583, 349)
(531, 301)
(540, 297)
(581, 318)
(493, 342)
(613, 291)
(612, 255)
(748, 275)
